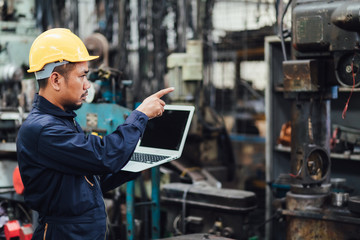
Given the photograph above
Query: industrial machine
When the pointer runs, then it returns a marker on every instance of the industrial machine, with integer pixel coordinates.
(324, 57)
(208, 158)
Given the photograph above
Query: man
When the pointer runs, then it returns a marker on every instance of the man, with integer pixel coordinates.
(64, 171)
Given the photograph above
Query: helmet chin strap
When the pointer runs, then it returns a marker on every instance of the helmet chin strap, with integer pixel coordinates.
(48, 69)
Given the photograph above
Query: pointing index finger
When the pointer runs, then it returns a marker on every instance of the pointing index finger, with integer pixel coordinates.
(163, 92)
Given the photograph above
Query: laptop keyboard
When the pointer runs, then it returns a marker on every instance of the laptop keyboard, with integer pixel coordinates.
(147, 158)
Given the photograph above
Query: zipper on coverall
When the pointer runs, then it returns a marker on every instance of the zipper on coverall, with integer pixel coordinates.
(92, 185)
(45, 230)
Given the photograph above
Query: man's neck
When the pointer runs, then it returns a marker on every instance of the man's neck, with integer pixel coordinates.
(50, 97)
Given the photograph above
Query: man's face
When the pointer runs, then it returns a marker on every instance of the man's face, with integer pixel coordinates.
(74, 91)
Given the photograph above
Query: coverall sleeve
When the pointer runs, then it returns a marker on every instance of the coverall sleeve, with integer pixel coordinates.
(75, 153)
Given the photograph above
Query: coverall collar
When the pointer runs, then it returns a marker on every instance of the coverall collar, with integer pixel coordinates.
(45, 106)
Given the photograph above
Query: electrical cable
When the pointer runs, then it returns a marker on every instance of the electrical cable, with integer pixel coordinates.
(25, 212)
(282, 30)
(276, 215)
(352, 89)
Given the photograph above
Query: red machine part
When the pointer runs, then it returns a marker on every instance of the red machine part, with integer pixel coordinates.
(12, 229)
(26, 232)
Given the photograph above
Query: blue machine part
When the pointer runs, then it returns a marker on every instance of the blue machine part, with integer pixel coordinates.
(107, 92)
(102, 118)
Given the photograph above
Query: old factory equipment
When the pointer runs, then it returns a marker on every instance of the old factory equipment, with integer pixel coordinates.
(134, 61)
(320, 66)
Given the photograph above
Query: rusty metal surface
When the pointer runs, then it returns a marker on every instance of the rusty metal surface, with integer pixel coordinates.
(313, 217)
(301, 75)
(305, 228)
(344, 217)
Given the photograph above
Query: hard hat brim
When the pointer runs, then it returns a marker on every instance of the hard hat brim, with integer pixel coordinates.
(30, 70)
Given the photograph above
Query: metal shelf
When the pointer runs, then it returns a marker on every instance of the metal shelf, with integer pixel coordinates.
(355, 157)
(341, 89)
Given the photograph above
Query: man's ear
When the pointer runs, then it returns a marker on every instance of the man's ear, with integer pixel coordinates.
(55, 81)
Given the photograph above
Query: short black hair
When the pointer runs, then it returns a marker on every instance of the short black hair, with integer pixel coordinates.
(62, 70)
(42, 82)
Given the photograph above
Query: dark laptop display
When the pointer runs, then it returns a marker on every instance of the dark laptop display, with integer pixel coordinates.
(165, 132)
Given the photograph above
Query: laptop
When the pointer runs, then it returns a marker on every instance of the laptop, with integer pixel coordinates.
(163, 139)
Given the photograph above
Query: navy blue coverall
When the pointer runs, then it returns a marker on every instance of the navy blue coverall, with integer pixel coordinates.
(65, 172)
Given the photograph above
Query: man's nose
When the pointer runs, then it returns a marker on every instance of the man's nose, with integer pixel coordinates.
(87, 84)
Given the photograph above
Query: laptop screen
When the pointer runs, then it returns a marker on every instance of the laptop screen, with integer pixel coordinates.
(166, 131)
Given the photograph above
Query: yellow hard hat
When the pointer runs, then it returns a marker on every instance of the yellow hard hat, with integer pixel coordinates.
(57, 45)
